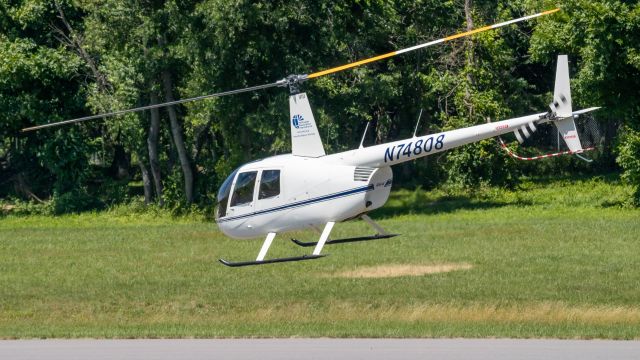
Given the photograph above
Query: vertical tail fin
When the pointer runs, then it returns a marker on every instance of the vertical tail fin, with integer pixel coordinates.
(561, 106)
(305, 137)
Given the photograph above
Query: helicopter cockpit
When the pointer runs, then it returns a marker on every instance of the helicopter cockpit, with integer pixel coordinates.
(242, 197)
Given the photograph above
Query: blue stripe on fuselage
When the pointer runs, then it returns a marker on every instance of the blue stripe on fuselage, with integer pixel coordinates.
(301, 203)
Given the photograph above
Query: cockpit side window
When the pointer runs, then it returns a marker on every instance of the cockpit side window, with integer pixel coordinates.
(243, 191)
(269, 184)
(223, 195)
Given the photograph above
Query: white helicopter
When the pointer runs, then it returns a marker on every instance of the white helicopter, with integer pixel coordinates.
(310, 189)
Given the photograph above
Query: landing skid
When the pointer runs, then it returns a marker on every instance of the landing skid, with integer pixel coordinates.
(346, 240)
(324, 239)
(260, 260)
(270, 261)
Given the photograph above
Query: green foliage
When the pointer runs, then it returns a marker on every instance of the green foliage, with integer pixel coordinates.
(110, 54)
(38, 84)
(71, 153)
(602, 39)
(629, 159)
(22, 208)
(480, 164)
(74, 201)
(484, 85)
(173, 187)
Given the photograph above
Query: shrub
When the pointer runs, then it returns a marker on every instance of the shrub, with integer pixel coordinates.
(629, 160)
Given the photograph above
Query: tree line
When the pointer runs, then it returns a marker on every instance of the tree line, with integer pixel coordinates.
(69, 58)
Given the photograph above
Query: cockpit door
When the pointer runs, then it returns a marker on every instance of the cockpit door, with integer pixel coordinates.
(269, 192)
(242, 200)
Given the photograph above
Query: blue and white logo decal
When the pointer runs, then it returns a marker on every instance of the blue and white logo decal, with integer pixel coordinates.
(296, 121)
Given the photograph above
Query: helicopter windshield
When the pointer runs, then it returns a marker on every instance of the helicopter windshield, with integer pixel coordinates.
(223, 195)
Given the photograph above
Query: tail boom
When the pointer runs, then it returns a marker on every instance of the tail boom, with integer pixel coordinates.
(417, 147)
(561, 114)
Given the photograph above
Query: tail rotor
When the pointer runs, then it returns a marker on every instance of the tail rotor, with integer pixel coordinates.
(563, 117)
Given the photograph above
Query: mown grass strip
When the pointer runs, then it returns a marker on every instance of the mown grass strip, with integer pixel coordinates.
(541, 268)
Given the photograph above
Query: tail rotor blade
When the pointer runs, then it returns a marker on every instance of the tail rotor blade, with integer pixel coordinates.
(430, 43)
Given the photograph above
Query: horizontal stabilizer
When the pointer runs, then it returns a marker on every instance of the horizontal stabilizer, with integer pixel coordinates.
(567, 129)
(584, 111)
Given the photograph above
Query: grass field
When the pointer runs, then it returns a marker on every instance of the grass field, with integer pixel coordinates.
(558, 259)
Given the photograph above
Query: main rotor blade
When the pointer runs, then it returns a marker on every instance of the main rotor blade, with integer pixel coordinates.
(155, 106)
(296, 78)
(434, 42)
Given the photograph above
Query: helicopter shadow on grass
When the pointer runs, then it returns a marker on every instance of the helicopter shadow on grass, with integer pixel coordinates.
(418, 203)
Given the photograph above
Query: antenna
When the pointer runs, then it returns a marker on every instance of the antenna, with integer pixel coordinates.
(363, 135)
(417, 123)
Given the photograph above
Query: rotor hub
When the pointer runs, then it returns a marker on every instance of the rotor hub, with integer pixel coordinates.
(293, 82)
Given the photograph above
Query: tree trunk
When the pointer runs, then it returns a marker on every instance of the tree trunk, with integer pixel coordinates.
(469, 59)
(152, 145)
(76, 41)
(121, 163)
(176, 131)
(469, 19)
(203, 134)
(146, 181)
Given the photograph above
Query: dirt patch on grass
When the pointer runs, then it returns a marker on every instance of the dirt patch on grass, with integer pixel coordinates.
(388, 271)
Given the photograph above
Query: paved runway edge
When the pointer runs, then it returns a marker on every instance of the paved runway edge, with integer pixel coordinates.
(334, 349)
